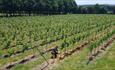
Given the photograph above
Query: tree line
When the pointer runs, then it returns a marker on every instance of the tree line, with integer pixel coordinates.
(20, 7)
(36, 7)
(97, 9)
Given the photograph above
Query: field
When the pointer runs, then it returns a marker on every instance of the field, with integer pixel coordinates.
(85, 42)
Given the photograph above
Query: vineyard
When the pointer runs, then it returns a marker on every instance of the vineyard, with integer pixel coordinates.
(25, 42)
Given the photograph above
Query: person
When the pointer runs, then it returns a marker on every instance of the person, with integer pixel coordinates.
(54, 52)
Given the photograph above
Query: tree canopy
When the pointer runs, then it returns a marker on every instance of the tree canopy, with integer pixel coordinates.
(47, 7)
(13, 7)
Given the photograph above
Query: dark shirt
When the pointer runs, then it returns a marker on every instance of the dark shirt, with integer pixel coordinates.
(54, 51)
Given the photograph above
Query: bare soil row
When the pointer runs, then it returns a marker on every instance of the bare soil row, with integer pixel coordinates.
(99, 50)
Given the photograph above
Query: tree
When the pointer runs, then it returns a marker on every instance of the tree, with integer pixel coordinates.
(12, 7)
(90, 10)
(96, 9)
(103, 10)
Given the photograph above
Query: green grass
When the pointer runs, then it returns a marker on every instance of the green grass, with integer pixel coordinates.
(30, 65)
(78, 62)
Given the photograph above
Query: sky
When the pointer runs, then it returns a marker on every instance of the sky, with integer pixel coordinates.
(85, 2)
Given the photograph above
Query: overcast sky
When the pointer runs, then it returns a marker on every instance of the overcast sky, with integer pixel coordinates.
(84, 2)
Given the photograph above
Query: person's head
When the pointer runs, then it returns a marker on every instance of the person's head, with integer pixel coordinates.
(56, 46)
